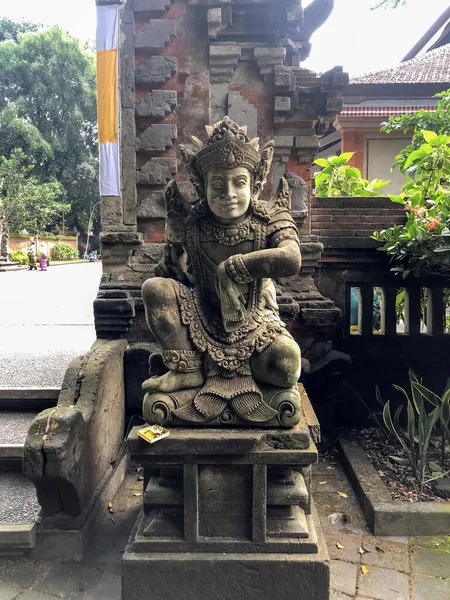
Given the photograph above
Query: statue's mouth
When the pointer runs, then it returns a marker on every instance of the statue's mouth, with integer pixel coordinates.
(229, 204)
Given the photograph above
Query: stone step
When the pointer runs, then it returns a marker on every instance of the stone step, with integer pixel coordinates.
(19, 509)
(28, 398)
(14, 425)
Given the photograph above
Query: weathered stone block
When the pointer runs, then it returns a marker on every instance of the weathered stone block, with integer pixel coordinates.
(158, 103)
(69, 449)
(153, 6)
(241, 110)
(155, 35)
(153, 206)
(223, 61)
(243, 577)
(157, 171)
(303, 141)
(282, 104)
(157, 138)
(284, 78)
(158, 69)
(111, 212)
(136, 371)
(121, 237)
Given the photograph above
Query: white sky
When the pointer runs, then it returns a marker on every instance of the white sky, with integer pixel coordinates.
(355, 37)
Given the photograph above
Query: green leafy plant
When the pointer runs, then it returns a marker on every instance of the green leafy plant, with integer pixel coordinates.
(422, 245)
(64, 252)
(19, 256)
(420, 425)
(339, 179)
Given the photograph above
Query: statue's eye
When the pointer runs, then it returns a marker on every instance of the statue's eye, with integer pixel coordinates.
(241, 183)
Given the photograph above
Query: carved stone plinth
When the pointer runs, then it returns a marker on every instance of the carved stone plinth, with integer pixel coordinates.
(161, 408)
(227, 514)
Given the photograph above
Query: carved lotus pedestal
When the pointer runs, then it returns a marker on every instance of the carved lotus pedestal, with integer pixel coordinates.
(227, 515)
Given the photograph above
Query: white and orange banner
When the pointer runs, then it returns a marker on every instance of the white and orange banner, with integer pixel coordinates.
(107, 103)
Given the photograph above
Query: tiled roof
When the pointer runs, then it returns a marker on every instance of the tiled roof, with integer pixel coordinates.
(383, 107)
(431, 67)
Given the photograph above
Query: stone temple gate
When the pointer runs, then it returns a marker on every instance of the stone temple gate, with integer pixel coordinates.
(183, 65)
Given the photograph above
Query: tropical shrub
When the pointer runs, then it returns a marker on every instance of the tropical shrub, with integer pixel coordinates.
(422, 245)
(64, 252)
(421, 424)
(339, 179)
(19, 256)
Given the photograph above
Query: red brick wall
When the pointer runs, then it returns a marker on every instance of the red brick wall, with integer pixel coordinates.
(353, 217)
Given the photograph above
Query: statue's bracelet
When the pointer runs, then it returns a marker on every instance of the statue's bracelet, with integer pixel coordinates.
(236, 270)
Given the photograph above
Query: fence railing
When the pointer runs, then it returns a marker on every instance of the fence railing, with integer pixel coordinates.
(409, 309)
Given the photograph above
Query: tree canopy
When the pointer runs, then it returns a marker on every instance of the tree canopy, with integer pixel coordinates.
(47, 127)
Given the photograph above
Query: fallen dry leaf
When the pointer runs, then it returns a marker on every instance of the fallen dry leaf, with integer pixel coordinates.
(110, 507)
(378, 549)
(339, 546)
(363, 550)
(364, 569)
(342, 495)
(140, 478)
(322, 482)
(137, 494)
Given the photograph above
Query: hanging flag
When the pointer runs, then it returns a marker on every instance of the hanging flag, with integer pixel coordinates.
(107, 102)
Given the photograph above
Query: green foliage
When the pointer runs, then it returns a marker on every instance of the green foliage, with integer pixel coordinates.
(339, 179)
(415, 439)
(389, 4)
(48, 112)
(64, 252)
(26, 202)
(422, 245)
(11, 30)
(19, 256)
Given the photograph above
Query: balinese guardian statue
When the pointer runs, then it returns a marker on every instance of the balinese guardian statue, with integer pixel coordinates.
(226, 357)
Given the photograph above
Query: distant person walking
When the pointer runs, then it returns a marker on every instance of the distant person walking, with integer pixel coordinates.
(43, 262)
(31, 257)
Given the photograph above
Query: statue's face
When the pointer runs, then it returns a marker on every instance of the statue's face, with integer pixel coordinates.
(228, 192)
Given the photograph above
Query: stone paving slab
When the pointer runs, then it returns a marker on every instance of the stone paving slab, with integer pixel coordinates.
(8, 591)
(383, 584)
(344, 576)
(385, 554)
(430, 561)
(428, 588)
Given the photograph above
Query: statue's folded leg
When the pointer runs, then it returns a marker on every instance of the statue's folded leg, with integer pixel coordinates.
(184, 362)
(279, 364)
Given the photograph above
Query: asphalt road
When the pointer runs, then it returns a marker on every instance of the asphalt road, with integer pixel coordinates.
(46, 319)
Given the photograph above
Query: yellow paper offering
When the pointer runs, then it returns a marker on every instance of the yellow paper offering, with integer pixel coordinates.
(153, 433)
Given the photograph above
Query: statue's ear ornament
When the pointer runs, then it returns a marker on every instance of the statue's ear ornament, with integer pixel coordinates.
(263, 168)
(199, 144)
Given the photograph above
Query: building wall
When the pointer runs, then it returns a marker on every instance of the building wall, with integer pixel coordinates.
(375, 152)
(44, 245)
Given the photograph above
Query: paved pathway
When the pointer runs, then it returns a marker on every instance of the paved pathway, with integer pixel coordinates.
(46, 319)
(394, 568)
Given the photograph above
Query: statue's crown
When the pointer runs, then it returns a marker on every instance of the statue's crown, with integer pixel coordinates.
(228, 146)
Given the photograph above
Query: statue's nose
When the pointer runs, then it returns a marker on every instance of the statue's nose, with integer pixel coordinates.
(229, 192)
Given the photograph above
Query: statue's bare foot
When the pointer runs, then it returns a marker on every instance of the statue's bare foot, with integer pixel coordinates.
(173, 381)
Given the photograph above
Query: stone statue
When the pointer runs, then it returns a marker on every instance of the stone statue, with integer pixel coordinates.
(226, 357)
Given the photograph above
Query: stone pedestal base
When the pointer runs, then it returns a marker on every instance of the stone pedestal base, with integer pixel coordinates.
(226, 576)
(227, 514)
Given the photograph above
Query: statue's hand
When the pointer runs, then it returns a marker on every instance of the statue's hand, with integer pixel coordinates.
(234, 293)
(169, 266)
